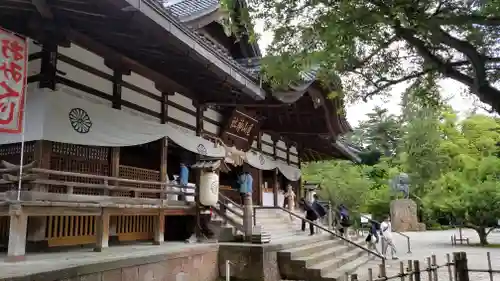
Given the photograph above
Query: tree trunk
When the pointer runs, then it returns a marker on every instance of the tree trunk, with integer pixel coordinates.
(483, 236)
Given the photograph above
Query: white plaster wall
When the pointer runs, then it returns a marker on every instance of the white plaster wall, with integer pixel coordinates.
(141, 82)
(84, 56)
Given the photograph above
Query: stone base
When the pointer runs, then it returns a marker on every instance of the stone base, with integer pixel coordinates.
(404, 216)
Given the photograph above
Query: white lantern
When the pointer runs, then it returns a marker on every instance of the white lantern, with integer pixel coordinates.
(209, 188)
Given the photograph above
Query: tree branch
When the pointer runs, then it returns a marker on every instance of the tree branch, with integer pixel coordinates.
(362, 62)
(390, 83)
(476, 59)
(486, 93)
(467, 19)
(491, 229)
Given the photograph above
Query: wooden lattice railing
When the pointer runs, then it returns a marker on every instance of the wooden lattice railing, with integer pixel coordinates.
(46, 189)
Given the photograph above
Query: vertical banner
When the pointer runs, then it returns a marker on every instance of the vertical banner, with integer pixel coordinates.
(13, 69)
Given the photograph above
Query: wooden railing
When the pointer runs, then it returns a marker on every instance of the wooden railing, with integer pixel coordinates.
(81, 200)
(106, 189)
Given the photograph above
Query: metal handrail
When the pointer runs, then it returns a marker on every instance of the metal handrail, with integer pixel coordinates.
(230, 209)
(408, 242)
(230, 201)
(324, 229)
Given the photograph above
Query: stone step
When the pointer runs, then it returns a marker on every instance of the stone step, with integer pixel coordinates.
(349, 268)
(336, 265)
(336, 249)
(307, 250)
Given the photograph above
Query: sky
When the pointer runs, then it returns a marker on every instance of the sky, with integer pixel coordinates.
(450, 89)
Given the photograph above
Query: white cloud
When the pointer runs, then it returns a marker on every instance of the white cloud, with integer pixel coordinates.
(451, 90)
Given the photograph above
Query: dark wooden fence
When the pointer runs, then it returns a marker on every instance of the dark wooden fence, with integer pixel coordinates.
(454, 269)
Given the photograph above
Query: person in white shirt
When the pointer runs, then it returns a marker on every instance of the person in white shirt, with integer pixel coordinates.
(387, 241)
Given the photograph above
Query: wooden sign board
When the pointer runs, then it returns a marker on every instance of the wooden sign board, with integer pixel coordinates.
(240, 130)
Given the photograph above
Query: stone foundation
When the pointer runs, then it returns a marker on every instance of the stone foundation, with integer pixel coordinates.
(197, 264)
(250, 263)
(404, 216)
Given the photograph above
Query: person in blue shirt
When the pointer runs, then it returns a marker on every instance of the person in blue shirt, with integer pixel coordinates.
(245, 182)
(183, 178)
(184, 175)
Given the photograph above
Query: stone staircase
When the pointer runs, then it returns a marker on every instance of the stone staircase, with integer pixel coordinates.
(325, 259)
(276, 223)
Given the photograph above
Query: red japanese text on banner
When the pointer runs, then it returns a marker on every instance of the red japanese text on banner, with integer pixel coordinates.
(13, 67)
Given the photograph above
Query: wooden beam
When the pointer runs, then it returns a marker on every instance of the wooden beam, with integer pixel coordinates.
(43, 8)
(252, 105)
(162, 82)
(296, 133)
(117, 89)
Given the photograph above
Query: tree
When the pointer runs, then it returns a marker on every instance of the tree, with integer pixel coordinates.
(373, 45)
(419, 158)
(469, 188)
(382, 132)
(341, 182)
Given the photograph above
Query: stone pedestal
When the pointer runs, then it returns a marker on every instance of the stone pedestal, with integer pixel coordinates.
(404, 216)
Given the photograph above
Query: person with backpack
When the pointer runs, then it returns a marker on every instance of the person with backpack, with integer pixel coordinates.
(311, 215)
(373, 238)
(344, 220)
(320, 209)
(386, 232)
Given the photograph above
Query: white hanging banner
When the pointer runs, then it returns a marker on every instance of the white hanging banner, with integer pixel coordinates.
(13, 69)
(290, 172)
(259, 161)
(196, 144)
(68, 118)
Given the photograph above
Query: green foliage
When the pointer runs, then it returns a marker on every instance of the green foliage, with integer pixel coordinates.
(381, 132)
(375, 45)
(454, 165)
(341, 182)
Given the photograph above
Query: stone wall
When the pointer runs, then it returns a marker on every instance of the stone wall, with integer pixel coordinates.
(250, 263)
(188, 265)
(404, 216)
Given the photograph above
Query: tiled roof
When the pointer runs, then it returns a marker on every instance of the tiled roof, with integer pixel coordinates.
(190, 9)
(253, 66)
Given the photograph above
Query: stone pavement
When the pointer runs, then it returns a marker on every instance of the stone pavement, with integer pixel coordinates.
(426, 244)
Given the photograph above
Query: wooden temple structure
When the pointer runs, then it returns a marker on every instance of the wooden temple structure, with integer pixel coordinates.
(120, 92)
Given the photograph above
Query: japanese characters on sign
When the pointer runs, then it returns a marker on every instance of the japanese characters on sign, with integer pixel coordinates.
(240, 130)
(241, 126)
(13, 66)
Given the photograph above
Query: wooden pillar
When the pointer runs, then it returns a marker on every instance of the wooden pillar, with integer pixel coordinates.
(37, 225)
(116, 103)
(17, 234)
(200, 109)
(299, 160)
(48, 66)
(287, 153)
(159, 235)
(275, 174)
(461, 267)
(102, 231)
(164, 141)
(259, 171)
(163, 160)
(248, 217)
